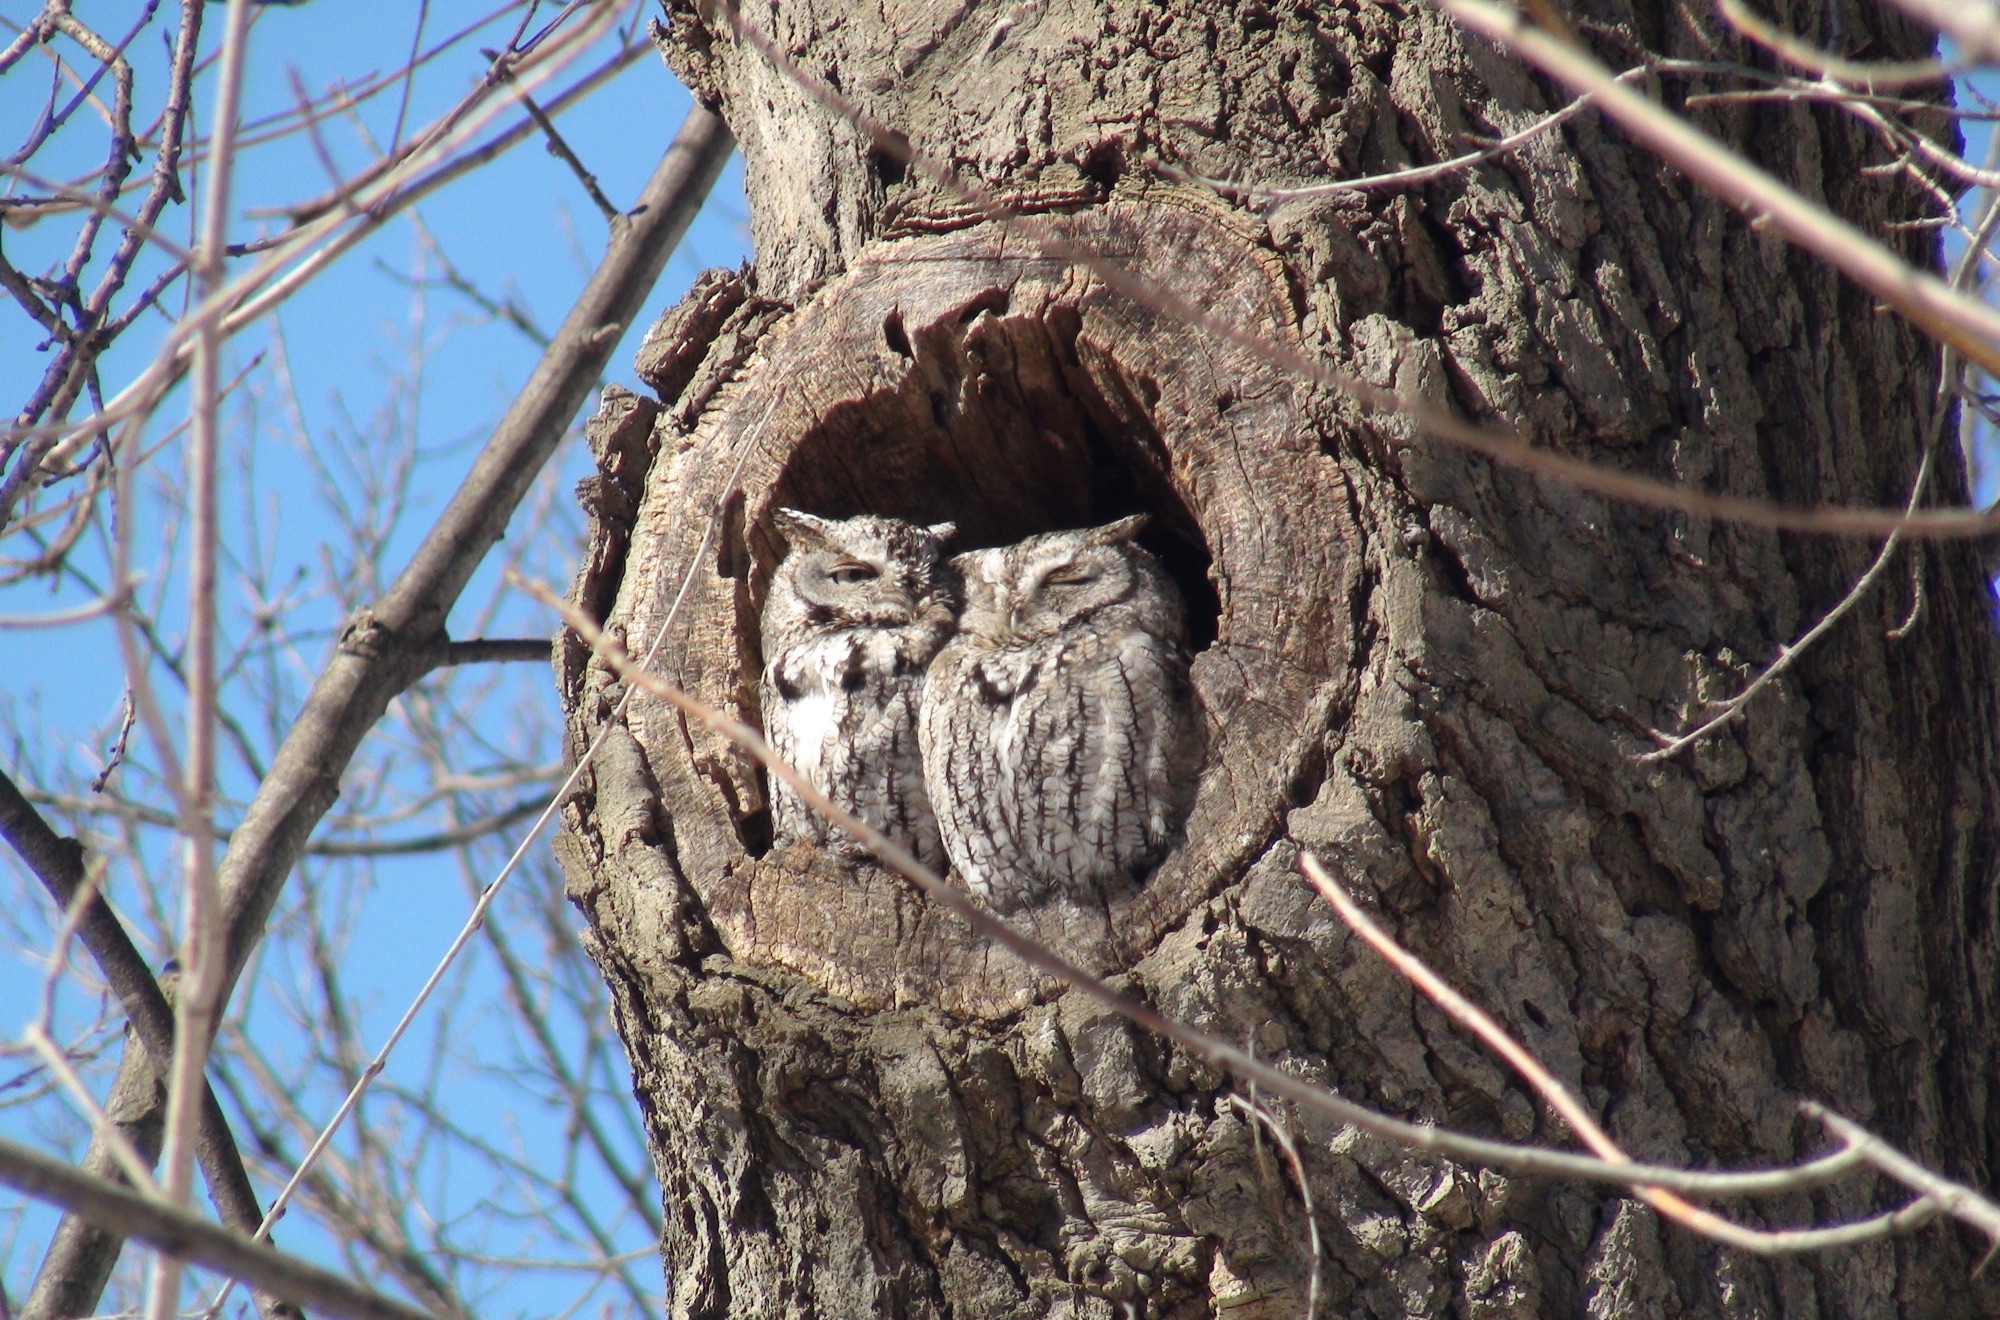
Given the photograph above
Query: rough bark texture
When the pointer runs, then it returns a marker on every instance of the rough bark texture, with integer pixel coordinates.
(1433, 673)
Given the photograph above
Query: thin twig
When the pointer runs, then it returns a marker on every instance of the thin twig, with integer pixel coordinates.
(1581, 1121)
(1672, 745)
(561, 151)
(1281, 1134)
(184, 1235)
(457, 835)
(1414, 176)
(115, 757)
(1968, 325)
(410, 66)
(1956, 1200)
(202, 934)
(64, 618)
(510, 311)
(1909, 623)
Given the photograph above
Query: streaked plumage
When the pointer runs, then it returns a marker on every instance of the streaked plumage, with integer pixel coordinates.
(854, 614)
(1058, 729)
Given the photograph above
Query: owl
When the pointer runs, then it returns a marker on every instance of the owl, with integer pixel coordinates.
(854, 613)
(1057, 726)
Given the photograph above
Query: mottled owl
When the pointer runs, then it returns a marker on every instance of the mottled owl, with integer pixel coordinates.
(854, 614)
(1058, 726)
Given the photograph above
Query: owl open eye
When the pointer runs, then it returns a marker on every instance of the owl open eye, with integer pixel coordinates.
(850, 571)
(1070, 575)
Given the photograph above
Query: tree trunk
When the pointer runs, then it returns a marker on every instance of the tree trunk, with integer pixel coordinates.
(1434, 673)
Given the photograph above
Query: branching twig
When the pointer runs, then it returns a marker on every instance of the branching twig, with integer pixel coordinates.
(1966, 324)
(1282, 1135)
(1672, 745)
(1415, 175)
(181, 1234)
(1580, 1120)
(560, 149)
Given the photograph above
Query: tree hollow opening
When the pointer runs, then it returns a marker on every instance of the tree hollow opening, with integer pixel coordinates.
(1007, 431)
(953, 377)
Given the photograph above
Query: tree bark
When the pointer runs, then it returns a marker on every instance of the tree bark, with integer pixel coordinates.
(1434, 673)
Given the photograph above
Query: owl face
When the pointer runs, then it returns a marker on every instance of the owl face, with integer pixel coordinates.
(864, 572)
(1034, 589)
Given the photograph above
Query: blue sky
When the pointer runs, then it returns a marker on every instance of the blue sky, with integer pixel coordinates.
(524, 229)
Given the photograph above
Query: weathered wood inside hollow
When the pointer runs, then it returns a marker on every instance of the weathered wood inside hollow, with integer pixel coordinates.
(960, 377)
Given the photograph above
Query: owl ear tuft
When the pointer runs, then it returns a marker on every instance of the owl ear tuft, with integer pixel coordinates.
(800, 528)
(943, 533)
(1117, 533)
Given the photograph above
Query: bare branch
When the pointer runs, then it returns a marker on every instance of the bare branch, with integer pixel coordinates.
(1580, 1120)
(456, 836)
(496, 650)
(389, 646)
(1973, 24)
(1282, 1135)
(58, 863)
(561, 151)
(1956, 1200)
(1966, 324)
(188, 1236)
(202, 931)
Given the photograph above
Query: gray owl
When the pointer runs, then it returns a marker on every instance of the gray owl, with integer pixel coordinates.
(1058, 727)
(854, 613)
